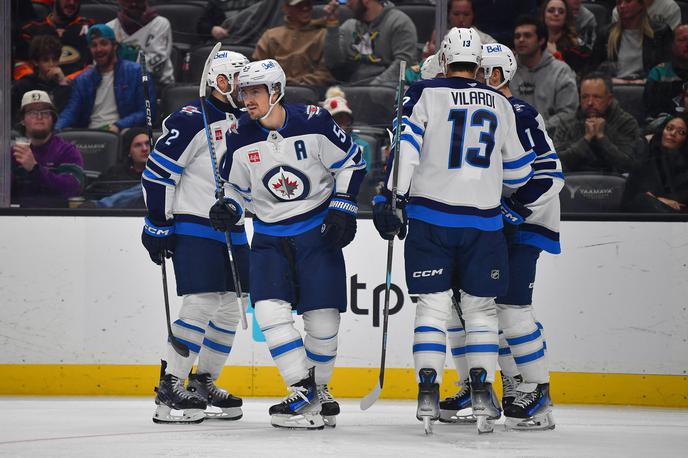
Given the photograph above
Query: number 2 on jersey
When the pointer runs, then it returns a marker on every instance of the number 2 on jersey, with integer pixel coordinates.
(475, 156)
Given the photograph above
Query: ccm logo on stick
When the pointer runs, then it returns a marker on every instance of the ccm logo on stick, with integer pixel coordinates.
(427, 273)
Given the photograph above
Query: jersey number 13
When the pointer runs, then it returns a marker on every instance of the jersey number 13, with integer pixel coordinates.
(479, 155)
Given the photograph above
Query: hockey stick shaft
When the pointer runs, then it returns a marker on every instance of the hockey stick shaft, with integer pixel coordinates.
(179, 347)
(219, 190)
(370, 399)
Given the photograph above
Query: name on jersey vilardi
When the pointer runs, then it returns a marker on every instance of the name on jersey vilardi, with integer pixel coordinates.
(473, 98)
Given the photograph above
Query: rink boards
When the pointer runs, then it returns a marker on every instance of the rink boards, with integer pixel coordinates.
(82, 313)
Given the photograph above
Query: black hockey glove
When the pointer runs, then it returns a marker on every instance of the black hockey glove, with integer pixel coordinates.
(389, 223)
(224, 214)
(159, 239)
(514, 212)
(339, 227)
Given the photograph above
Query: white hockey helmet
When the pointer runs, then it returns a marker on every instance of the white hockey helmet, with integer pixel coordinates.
(264, 72)
(430, 68)
(497, 55)
(460, 45)
(227, 63)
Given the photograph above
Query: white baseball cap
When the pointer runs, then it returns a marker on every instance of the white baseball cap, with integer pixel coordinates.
(337, 104)
(32, 97)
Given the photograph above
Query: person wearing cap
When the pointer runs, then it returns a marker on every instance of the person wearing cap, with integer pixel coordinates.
(47, 75)
(141, 27)
(48, 170)
(338, 107)
(64, 23)
(368, 48)
(297, 45)
(109, 95)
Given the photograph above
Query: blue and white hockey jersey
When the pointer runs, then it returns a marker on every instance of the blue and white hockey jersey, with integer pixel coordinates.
(541, 193)
(459, 147)
(288, 176)
(178, 181)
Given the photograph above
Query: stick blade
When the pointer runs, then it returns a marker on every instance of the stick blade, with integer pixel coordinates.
(179, 347)
(206, 68)
(373, 396)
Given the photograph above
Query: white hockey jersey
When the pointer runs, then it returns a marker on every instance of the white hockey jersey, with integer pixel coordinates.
(178, 180)
(289, 175)
(155, 40)
(459, 147)
(541, 193)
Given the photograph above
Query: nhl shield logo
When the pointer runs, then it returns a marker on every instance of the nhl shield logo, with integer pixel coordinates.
(495, 274)
(286, 183)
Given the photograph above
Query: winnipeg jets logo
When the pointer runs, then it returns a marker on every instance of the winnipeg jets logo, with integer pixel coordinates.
(287, 183)
(312, 110)
(190, 109)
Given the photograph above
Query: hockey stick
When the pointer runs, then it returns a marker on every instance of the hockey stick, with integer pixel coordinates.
(370, 399)
(219, 190)
(179, 347)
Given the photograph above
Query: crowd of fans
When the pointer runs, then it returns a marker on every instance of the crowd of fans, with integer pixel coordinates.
(576, 59)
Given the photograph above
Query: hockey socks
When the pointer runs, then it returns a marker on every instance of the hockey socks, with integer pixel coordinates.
(321, 327)
(482, 341)
(433, 311)
(526, 343)
(219, 337)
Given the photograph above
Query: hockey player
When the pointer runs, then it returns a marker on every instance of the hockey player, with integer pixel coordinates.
(179, 190)
(301, 173)
(458, 148)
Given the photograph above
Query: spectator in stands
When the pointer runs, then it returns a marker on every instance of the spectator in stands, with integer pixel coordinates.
(65, 23)
(108, 96)
(562, 40)
(246, 26)
(498, 17)
(664, 85)
(337, 105)
(46, 170)
(541, 80)
(140, 27)
(586, 23)
(44, 52)
(459, 14)
(297, 45)
(216, 12)
(629, 48)
(601, 136)
(660, 185)
(661, 12)
(368, 48)
(118, 178)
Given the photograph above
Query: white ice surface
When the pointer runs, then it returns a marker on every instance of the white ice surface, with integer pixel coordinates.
(122, 427)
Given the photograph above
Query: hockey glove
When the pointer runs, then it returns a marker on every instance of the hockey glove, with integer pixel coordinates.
(514, 212)
(339, 227)
(158, 239)
(224, 214)
(389, 223)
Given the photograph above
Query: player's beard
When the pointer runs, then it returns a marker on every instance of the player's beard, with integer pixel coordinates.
(40, 134)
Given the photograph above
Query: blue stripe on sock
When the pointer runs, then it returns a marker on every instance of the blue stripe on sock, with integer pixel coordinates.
(319, 358)
(219, 329)
(189, 326)
(216, 346)
(458, 351)
(482, 348)
(427, 329)
(190, 345)
(284, 348)
(531, 357)
(524, 339)
(505, 351)
(430, 347)
(455, 329)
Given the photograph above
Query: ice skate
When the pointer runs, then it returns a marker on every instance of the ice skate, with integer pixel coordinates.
(428, 399)
(301, 408)
(221, 404)
(531, 410)
(329, 407)
(176, 404)
(485, 403)
(457, 408)
(509, 386)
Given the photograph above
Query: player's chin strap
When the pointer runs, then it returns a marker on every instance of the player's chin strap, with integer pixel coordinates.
(228, 94)
(488, 75)
(272, 104)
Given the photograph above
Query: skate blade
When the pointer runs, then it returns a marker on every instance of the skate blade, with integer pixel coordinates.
(484, 424)
(330, 420)
(542, 422)
(427, 425)
(454, 416)
(223, 413)
(303, 421)
(166, 415)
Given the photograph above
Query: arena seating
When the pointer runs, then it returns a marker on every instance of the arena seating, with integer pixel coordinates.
(372, 105)
(100, 149)
(631, 100)
(591, 192)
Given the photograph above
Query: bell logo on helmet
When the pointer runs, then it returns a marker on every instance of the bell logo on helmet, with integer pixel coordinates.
(493, 48)
(221, 55)
(268, 65)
